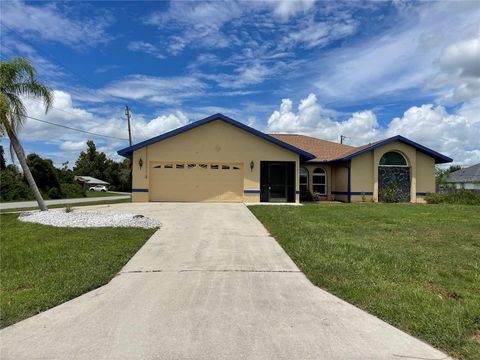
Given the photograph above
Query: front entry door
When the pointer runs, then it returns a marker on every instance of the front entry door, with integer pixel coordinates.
(277, 182)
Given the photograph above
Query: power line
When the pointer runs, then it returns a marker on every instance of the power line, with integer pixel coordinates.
(70, 128)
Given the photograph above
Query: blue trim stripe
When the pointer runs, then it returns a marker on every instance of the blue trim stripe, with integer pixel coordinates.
(128, 151)
(439, 158)
(421, 193)
(139, 190)
(251, 191)
(352, 193)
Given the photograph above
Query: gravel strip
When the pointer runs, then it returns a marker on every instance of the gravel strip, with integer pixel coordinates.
(83, 219)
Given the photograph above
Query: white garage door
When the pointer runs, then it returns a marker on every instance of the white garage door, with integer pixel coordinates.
(213, 182)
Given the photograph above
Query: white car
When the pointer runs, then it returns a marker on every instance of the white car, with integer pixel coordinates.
(100, 188)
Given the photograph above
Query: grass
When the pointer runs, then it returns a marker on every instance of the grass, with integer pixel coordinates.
(94, 194)
(88, 203)
(414, 266)
(43, 266)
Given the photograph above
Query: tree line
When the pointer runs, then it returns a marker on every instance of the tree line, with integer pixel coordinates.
(58, 183)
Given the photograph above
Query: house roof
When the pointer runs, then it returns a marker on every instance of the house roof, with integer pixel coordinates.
(91, 180)
(327, 151)
(469, 174)
(304, 155)
(322, 149)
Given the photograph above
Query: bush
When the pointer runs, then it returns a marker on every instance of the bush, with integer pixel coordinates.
(389, 194)
(54, 193)
(461, 197)
(12, 187)
(74, 190)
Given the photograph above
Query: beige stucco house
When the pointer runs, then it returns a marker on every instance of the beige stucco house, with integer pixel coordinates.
(218, 159)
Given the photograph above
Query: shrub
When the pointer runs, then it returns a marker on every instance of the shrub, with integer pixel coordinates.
(54, 193)
(389, 194)
(73, 190)
(461, 197)
(12, 187)
(316, 196)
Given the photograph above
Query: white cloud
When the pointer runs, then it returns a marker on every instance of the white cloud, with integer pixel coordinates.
(287, 8)
(319, 34)
(49, 22)
(312, 119)
(399, 60)
(146, 47)
(167, 90)
(70, 143)
(453, 134)
(459, 71)
(73, 145)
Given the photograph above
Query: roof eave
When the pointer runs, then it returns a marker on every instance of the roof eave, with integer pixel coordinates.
(439, 158)
(128, 151)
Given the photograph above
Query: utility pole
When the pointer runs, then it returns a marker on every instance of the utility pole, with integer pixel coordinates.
(342, 137)
(127, 113)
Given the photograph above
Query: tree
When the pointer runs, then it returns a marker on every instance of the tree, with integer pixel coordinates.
(91, 162)
(18, 78)
(441, 175)
(3, 163)
(44, 172)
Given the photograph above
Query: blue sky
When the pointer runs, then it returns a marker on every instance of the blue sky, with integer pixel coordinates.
(366, 70)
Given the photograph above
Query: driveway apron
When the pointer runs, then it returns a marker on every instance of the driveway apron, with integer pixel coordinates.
(210, 284)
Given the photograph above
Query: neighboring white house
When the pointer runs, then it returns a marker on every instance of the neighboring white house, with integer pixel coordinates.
(88, 181)
(467, 178)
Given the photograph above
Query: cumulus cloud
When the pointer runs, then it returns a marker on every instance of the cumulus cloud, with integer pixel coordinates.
(454, 134)
(406, 57)
(69, 143)
(459, 71)
(312, 119)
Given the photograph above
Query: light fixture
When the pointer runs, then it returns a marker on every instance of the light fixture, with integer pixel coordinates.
(252, 164)
(140, 163)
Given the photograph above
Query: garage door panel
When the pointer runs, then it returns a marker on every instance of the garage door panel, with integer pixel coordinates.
(196, 182)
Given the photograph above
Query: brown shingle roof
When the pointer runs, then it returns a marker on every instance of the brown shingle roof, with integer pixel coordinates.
(322, 149)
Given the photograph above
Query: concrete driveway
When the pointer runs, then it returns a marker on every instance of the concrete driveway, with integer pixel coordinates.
(211, 284)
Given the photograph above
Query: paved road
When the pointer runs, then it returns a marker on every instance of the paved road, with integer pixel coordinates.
(28, 204)
(210, 284)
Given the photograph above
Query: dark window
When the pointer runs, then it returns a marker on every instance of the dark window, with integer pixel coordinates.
(319, 181)
(393, 158)
(303, 180)
(180, 166)
(214, 166)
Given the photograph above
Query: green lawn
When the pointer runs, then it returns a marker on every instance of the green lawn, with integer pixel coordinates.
(414, 266)
(102, 194)
(43, 266)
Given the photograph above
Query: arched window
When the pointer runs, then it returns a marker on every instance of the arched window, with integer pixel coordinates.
(303, 182)
(393, 158)
(319, 183)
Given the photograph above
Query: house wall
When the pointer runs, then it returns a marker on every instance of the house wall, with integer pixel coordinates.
(425, 175)
(311, 167)
(340, 182)
(213, 142)
(362, 177)
(364, 172)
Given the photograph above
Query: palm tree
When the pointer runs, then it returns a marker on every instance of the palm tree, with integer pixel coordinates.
(19, 78)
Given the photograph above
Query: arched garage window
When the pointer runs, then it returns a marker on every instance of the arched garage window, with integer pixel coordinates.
(393, 158)
(319, 181)
(303, 180)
